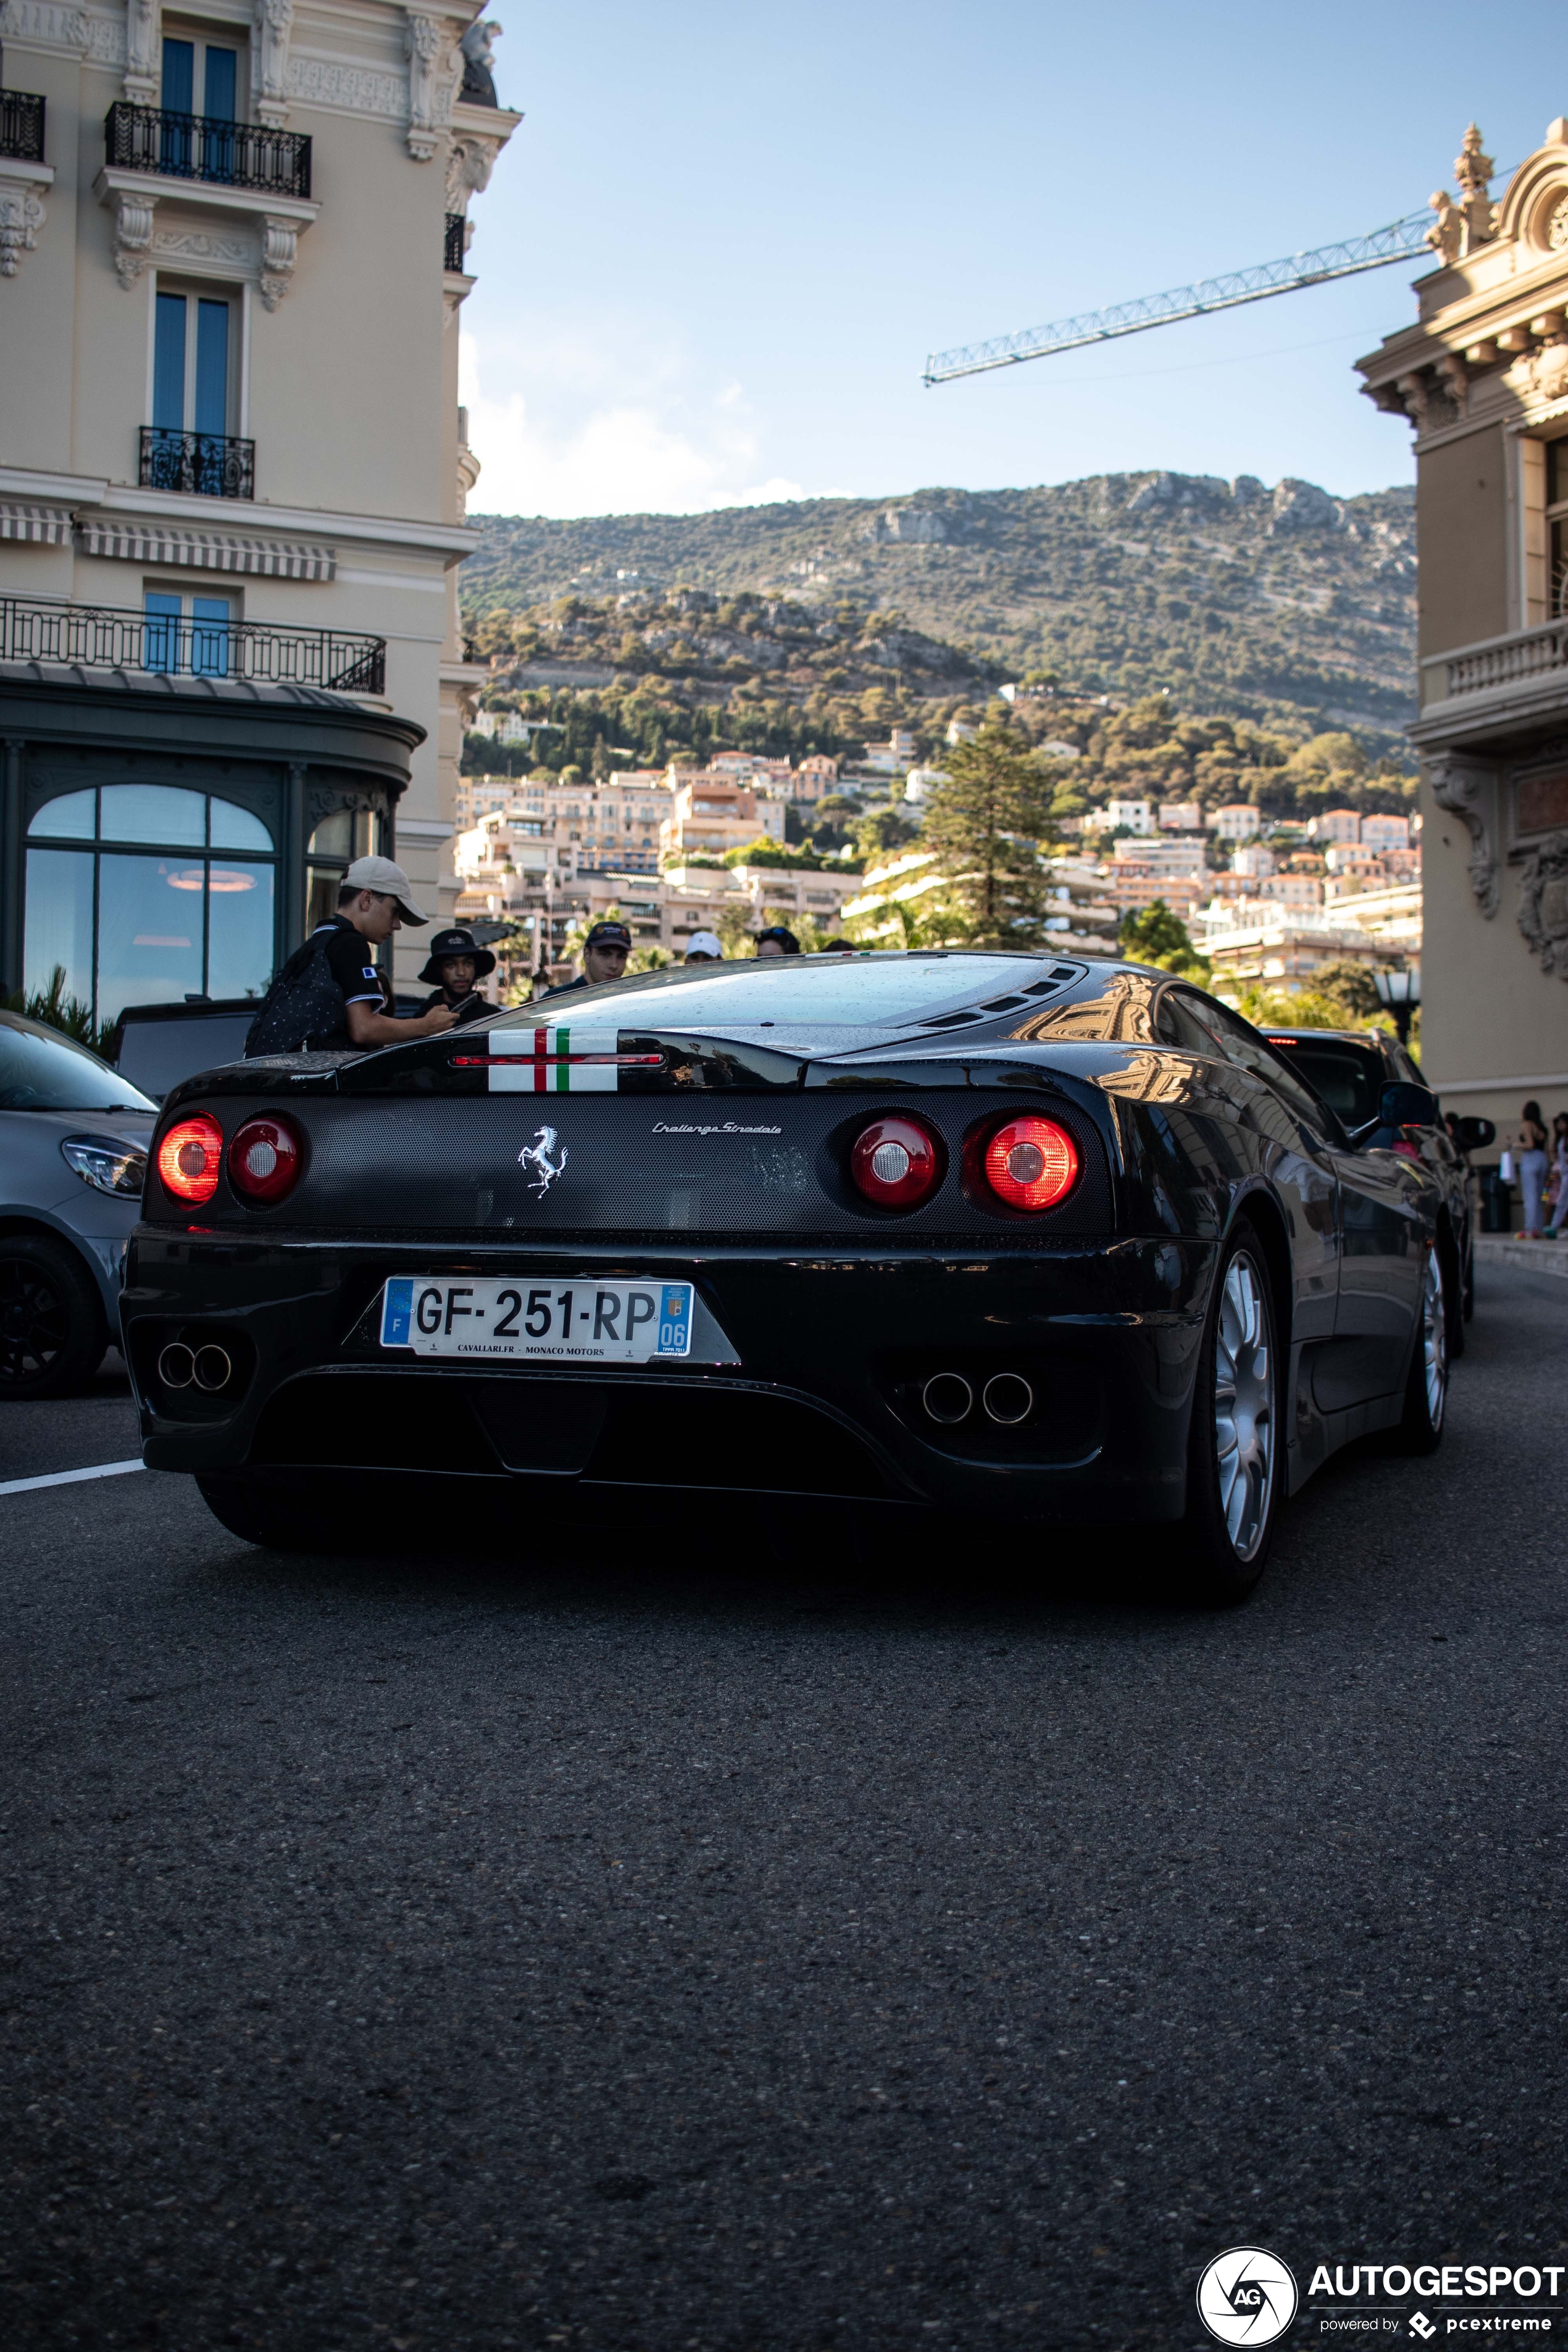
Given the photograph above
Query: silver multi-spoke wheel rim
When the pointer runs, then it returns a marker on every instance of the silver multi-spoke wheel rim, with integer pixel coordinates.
(1243, 1407)
(1435, 1340)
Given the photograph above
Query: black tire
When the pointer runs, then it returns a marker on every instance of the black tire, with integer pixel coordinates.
(1420, 1429)
(1233, 1488)
(52, 1332)
(1467, 1285)
(1454, 1298)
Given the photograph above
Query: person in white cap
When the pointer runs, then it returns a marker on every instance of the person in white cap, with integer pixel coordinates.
(328, 995)
(704, 947)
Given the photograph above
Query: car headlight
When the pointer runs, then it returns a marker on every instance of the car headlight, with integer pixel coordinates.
(107, 1164)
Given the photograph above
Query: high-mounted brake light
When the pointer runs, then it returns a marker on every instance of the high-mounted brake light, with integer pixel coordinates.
(894, 1162)
(1031, 1163)
(265, 1160)
(189, 1157)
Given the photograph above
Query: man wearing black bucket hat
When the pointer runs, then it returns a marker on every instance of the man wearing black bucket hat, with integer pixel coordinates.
(456, 963)
(604, 953)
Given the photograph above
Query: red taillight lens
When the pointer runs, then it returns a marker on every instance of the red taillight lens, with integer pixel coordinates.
(264, 1159)
(1031, 1163)
(895, 1163)
(190, 1156)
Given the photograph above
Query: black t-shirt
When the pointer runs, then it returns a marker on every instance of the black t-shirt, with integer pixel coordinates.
(467, 1008)
(350, 960)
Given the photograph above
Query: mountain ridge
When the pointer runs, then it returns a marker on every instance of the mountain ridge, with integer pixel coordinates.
(1284, 605)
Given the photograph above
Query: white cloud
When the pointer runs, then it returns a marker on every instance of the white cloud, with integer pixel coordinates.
(574, 443)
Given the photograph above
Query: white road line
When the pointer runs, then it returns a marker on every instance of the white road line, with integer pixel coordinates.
(70, 1477)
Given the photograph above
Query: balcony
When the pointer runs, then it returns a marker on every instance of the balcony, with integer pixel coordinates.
(21, 126)
(200, 465)
(1495, 688)
(199, 147)
(100, 636)
(456, 242)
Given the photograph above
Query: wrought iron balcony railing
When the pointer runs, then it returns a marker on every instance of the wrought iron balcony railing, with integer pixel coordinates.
(22, 125)
(456, 240)
(201, 147)
(100, 636)
(203, 465)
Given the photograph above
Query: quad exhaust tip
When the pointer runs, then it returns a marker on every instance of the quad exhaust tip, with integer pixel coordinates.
(947, 1398)
(208, 1368)
(1008, 1399)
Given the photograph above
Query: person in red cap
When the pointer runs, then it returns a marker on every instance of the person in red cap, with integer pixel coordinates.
(604, 953)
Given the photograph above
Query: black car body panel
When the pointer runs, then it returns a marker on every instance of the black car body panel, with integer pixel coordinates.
(721, 1158)
(1349, 1069)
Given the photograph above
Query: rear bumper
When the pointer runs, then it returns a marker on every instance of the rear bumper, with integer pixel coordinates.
(835, 1346)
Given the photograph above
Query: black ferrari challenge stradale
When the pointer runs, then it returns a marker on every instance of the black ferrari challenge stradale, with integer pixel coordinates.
(1047, 1243)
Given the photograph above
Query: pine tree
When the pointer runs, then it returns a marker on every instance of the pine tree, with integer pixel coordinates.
(986, 824)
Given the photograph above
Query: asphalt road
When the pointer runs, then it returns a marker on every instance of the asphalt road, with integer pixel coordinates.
(636, 1945)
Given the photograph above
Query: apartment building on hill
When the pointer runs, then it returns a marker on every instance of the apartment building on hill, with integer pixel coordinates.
(233, 473)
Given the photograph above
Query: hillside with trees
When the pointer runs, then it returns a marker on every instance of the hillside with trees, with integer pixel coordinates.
(1284, 607)
(642, 678)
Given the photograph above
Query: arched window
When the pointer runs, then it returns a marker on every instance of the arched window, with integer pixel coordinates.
(148, 893)
(337, 841)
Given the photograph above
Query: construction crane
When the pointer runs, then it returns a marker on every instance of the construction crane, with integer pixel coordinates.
(1402, 240)
(1458, 228)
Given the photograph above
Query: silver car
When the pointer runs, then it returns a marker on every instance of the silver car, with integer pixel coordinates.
(74, 1139)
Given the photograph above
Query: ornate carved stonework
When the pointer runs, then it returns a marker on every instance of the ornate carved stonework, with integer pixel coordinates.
(351, 89)
(1557, 224)
(1473, 171)
(433, 68)
(133, 219)
(143, 50)
(280, 248)
(1468, 790)
(105, 38)
(273, 21)
(470, 160)
(1544, 903)
(44, 25)
(197, 245)
(21, 217)
(1447, 234)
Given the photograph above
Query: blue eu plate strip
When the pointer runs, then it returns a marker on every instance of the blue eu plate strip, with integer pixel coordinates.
(397, 1312)
(675, 1320)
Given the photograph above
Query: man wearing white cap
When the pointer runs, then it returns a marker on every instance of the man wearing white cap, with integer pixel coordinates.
(704, 947)
(328, 995)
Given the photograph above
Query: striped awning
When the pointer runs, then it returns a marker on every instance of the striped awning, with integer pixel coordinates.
(204, 550)
(39, 526)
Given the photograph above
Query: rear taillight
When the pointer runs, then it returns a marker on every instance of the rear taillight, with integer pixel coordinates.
(190, 1157)
(1031, 1163)
(264, 1159)
(895, 1163)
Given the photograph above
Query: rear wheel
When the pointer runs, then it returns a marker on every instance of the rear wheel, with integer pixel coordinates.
(52, 1335)
(1420, 1429)
(1233, 1447)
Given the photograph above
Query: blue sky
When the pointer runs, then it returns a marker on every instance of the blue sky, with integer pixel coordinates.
(723, 238)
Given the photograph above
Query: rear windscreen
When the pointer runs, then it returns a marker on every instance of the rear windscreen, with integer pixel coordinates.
(1347, 1078)
(157, 1054)
(843, 991)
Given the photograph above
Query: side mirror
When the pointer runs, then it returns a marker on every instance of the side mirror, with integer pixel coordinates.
(1406, 1106)
(1475, 1134)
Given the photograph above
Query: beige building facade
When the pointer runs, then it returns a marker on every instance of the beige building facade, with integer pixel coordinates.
(1481, 374)
(233, 467)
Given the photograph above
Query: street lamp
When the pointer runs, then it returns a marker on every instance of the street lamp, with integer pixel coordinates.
(1400, 992)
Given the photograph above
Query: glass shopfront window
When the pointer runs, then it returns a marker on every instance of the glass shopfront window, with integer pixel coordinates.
(337, 841)
(131, 889)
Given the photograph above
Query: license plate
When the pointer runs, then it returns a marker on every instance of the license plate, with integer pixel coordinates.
(565, 1321)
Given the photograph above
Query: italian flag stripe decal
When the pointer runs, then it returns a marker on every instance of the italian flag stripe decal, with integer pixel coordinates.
(542, 1066)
